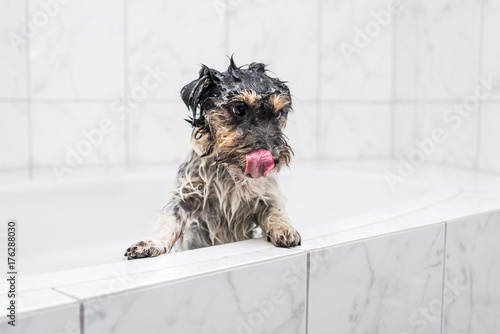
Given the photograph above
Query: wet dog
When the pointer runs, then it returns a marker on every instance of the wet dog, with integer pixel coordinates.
(226, 187)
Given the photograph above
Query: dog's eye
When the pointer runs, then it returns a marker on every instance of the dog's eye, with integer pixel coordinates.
(279, 114)
(239, 110)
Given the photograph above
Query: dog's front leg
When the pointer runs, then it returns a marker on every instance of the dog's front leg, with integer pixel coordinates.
(276, 225)
(169, 228)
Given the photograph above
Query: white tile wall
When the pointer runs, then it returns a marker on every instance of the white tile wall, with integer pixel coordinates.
(438, 38)
(403, 130)
(397, 278)
(489, 153)
(406, 58)
(415, 124)
(367, 75)
(472, 292)
(283, 34)
(43, 311)
(13, 61)
(158, 133)
(301, 130)
(354, 130)
(14, 135)
(491, 43)
(252, 299)
(175, 37)
(78, 51)
(61, 128)
(428, 57)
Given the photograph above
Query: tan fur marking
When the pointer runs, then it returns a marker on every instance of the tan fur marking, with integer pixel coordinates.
(249, 97)
(279, 101)
(225, 136)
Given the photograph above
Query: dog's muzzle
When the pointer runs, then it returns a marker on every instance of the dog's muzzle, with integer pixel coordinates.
(259, 162)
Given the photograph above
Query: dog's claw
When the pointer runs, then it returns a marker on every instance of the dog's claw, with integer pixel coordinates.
(284, 237)
(144, 249)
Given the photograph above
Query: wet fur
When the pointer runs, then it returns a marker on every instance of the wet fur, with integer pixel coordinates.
(214, 202)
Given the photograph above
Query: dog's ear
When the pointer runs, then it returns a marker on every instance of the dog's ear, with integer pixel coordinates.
(196, 91)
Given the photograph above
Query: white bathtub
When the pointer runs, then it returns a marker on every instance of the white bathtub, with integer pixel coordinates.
(74, 224)
(72, 236)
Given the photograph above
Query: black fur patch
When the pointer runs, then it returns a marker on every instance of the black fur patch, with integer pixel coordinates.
(213, 88)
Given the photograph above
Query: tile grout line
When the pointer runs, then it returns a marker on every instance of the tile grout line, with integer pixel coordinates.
(314, 100)
(444, 276)
(28, 95)
(416, 102)
(417, 63)
(126, 129)
(308, 279)
(319, 86)
(81, 307)
(392, 143)
(480, 103)
(82, 318)
(225, 28)
(84, 100)
(416, 98)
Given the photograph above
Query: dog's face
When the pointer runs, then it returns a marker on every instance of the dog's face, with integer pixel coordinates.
(239, 116)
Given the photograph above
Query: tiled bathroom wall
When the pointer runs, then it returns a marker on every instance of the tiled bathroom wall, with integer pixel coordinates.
(437, 279)
(363, 300)
(370, 79)
(447, 77)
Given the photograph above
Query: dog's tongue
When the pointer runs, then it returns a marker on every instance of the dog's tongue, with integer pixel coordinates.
(259, 163)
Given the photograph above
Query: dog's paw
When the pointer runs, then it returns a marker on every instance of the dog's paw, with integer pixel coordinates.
(143, 249)
(284, 237)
